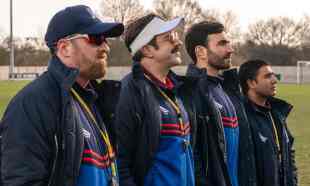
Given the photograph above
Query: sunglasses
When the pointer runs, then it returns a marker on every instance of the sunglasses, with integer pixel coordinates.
(95, 40)
(172, 36)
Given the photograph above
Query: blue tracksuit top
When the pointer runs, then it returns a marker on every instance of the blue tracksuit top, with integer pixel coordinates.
(230, 123)
(173, 164)
(95, 167)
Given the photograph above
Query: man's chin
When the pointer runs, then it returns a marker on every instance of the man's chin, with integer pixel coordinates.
(175, 61)
(224, 67)
(178, 61)
(227, 63)
(99, 73)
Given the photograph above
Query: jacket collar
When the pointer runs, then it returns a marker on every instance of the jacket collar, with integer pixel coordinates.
(88, 93)
(138, 74)
(64, 75)
(276, 104)
(258, 108)
(231, 79)
(282, 106)
(194, 71)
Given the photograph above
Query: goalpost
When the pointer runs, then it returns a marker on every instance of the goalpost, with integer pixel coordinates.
(303, 75)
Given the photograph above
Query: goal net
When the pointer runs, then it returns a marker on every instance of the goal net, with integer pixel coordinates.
(303, 72)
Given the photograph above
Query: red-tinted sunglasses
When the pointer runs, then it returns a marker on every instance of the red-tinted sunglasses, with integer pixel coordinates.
(96, 40)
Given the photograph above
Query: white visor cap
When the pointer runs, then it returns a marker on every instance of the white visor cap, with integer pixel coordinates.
(155, 27)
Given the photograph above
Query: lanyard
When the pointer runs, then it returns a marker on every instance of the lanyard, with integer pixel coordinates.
(174, 105)
(104, 133)
(276, 135)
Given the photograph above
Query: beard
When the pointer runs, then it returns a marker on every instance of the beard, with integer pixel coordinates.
(218, 62)
(91, 67)
(98, 70)
(94, 69)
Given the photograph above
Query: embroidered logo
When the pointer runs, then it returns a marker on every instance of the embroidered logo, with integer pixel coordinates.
(219, 106)
(286, 136)
(86, 133)
(262, 138)
(164, 110)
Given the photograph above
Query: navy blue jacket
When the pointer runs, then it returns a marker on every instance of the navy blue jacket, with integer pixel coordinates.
(269, 171)
(42, 142)
(138, 122)
(210, 150)
(215, 142)
(246, 161)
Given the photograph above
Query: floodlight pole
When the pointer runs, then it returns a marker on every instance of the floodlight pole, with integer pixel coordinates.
(11, 69)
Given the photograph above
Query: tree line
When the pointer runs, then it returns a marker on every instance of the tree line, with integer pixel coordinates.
(279, 40)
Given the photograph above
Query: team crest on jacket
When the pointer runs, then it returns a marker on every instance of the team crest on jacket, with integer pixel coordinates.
(86, 134)
(262, 138)
(219, 106)
(164, 110)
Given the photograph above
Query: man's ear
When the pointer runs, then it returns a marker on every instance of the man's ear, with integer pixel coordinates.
(147, 51)
(201, 52)
(64, 49)
(251, 83)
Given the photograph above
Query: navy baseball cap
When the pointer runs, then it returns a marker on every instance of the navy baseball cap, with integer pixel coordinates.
(79, 19)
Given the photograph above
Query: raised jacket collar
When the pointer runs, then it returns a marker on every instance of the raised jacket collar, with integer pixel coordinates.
(64, 75)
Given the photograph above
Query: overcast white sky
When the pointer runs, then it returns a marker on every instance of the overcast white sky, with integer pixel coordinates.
(32, 16)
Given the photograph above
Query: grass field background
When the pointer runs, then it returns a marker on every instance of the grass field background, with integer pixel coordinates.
(298, 121)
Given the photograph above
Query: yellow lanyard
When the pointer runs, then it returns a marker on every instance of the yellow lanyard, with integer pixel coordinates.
(174, 105)
(104, 133)
(276, 135)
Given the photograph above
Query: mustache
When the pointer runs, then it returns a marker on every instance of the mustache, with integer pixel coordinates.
(103, 54)
(175, 49)
(229, 55)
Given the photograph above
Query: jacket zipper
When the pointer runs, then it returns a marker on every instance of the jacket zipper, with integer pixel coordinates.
(223, 135)
(55, 161)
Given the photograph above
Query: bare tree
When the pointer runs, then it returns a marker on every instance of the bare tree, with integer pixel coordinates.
(121, 10)
(305, 31)
(229, 19)
(277, 31)
(190, 10)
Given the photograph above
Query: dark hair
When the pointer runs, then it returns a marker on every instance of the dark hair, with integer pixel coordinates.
(198, 35)
(248, 71)
(53, 50)
(132, 31)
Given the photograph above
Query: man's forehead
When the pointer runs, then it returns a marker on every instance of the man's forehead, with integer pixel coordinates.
(216, 37)
(265, 70)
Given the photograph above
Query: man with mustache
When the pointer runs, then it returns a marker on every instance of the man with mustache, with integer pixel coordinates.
(57, 130)
(223, 131)
(153, 127)
(273, 142)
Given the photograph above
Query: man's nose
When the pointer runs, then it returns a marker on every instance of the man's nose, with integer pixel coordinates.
(274, 79)
(176, 38)
(230, 48)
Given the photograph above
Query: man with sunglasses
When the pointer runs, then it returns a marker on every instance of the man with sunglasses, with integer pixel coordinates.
(153, 127)
(57, 130)
(273, 142)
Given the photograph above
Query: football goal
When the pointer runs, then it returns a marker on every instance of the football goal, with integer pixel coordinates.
(303, 72)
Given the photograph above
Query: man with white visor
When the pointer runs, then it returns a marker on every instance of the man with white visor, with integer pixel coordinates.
(154, 127)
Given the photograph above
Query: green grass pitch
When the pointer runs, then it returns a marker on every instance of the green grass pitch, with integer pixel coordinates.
(298, 121)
